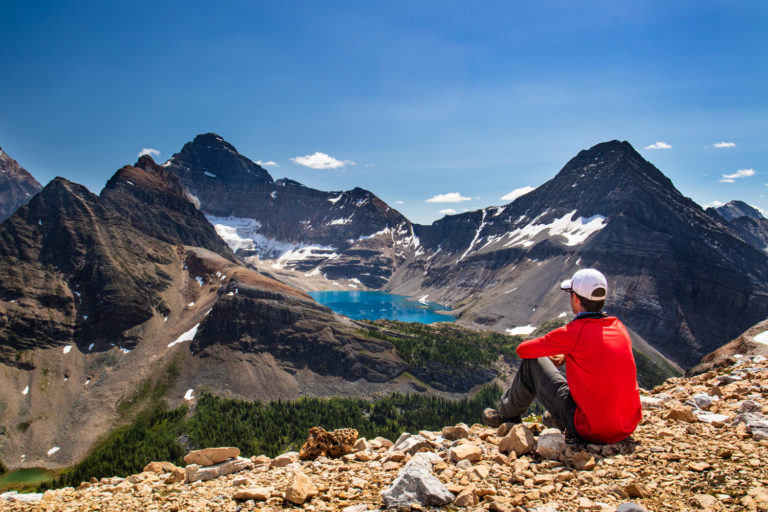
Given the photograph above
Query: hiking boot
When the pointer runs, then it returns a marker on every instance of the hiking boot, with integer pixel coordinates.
(494, 419)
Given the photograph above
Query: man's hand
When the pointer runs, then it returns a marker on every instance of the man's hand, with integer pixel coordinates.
(558, 360)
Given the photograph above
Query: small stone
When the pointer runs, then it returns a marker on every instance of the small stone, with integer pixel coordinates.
(681, 413)
(300, 488)
(460, 431)
(467, 498)
(637, 490)
(411, 444)
(583, 461)
(706, 502)
(519, 441)
(176, 476)
(630, 507)
(284, 459)
(699, 466)
(466, 451)
(394, 456)
(158, 467)
(551, 444)
(253, 493)
(239, 481)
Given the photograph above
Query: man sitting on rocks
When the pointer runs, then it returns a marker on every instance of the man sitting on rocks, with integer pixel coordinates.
(599, 401)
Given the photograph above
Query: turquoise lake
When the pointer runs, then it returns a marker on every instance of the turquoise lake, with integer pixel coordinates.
(381, 305)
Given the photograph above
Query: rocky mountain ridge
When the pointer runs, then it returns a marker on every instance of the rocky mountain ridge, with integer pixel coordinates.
(109, 302)
(17, 186)
(700, 446)
(673, 269)
(744, 220)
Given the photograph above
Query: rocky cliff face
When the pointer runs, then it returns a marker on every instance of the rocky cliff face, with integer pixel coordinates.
(17, 186)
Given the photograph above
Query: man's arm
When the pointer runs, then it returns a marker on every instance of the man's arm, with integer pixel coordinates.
(555, 343)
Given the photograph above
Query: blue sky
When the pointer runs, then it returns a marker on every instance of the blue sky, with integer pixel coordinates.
(411, 100)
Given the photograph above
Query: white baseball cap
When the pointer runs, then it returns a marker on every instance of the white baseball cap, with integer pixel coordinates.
(588, 283)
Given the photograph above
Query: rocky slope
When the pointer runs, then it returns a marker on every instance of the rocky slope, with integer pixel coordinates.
(17, 186)
(754, 342)
(700, 446)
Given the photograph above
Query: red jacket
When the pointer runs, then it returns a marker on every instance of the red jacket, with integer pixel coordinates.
(601, 375)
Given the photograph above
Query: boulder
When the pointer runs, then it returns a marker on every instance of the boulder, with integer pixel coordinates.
(300, 488)
(211, 456)
(551, 444)
(519, 440)
(416, 485)
(331, 444)
(194, 472)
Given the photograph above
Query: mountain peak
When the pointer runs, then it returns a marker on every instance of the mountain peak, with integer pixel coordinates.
(213, 140)
(209, 160)
(735, 209)
(17, 186)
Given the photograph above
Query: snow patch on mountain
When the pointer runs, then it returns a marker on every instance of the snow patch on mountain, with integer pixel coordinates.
(187, 336)
(242, 235)
(575, 231)
(302, 252)
(523, 330)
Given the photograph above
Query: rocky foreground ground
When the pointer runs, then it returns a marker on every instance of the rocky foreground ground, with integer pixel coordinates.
(702, 445)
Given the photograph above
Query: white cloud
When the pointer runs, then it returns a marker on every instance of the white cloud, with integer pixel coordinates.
(321, 161)
(451, 197)
(370, 165)
(448, 211)
(517, 193)
(714, 204)
(399, 202)
(269, 163)
(741, 173)
(659, 145)
(149, 151)
(762, 211)
(724, 144)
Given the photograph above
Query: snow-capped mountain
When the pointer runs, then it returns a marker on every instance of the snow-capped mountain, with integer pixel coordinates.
(350, 235)
(675, 273)
(674, 270)
(17, 186)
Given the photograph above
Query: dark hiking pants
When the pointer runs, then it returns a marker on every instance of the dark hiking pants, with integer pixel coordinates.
(540, 379)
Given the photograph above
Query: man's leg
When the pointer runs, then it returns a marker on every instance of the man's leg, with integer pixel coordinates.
(540, 379)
